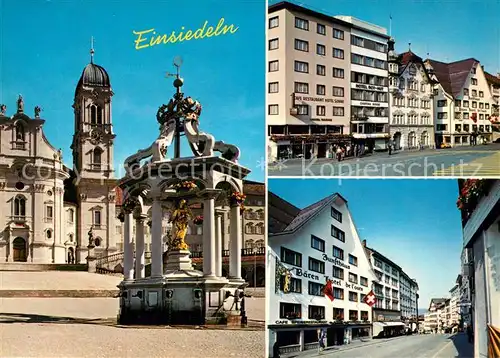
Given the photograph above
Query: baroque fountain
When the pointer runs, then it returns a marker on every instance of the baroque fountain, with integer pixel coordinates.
(176, 293)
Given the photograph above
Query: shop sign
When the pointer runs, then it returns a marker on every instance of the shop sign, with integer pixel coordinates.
(306, 274)
(335, 261)
(318, 99)
(353, 286)
(370, 87)
(371, 104)
(281, 321)
(322, 119)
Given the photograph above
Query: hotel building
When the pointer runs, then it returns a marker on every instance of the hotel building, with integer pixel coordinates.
(433, 321)
(455, 306)
(321, 242)
(314, 62)
(369, 84)
(463, 103)
(410, 99)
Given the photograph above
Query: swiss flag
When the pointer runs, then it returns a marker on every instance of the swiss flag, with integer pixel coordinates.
(328, 290)
(370, 299)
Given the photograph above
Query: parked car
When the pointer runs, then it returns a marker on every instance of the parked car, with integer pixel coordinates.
(445, 145)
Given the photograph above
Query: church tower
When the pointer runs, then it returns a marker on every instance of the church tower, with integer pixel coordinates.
(92, 149)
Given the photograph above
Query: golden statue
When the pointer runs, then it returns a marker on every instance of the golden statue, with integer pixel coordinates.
(286, 283)
(180, 218)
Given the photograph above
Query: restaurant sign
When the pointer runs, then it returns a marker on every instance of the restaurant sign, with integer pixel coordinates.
(318, 99)
(300, 321)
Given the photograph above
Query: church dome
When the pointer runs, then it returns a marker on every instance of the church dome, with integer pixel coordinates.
(94, 75)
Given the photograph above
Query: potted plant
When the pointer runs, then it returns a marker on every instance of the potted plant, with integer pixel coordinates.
(237, 198)
(198, 220)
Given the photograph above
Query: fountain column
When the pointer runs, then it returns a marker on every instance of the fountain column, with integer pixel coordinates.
(128, 248)
(156, 239)
(140, 263)
(218, 243)
(235, 245)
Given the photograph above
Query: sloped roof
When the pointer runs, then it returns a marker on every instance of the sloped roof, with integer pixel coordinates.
(409, 57)
(452, 76)
(306, 214)
(492, 79)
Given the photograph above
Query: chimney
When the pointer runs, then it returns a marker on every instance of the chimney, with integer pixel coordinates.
(364, 243)
(482, 67)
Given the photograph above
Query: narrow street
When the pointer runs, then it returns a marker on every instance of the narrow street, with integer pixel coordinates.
(418, 346)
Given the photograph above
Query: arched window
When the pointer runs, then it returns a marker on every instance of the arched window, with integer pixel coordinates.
(19, 206)
(49, 234)
(71, 215)
(249, 244)
(259, 243)
(99, 115)
(96, 156)
(20, 132)
(248, 214)
(249, 228)
(93, 114)
(259, 229)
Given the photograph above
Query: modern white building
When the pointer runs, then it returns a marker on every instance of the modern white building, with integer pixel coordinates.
(463, 102)
(308, 82)
(369, 84)
(480, 208)
(316, 63)
(410, 100)
(320, 243)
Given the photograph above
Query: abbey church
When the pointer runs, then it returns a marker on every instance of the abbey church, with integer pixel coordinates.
(45, 217)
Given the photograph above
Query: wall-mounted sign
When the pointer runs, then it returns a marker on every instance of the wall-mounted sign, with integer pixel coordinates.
(371, 104)
(353, 287)
(306, 274)
(370, 87)
(300, 322)
(318, 99)
(322, 119)
(335, 261)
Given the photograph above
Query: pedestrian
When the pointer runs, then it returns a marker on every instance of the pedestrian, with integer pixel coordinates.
(276, 350)
(469, 333)
(339, 153)
(348, 150)
(321, 341)
(389, 146)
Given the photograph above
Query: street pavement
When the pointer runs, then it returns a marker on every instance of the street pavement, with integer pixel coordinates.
(481, 160)
(415, 346)
(86, 327)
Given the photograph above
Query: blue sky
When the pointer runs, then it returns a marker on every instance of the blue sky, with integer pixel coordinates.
(447, 30)
(415, 223)
(45, 45)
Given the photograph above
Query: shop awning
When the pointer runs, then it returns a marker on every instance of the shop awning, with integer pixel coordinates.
(389, 324)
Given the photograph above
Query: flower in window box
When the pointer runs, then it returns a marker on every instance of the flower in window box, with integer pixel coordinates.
(237, 198)
(185, 186)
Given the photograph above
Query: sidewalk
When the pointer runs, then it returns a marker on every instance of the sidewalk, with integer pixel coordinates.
(461, 348)
(353, 345)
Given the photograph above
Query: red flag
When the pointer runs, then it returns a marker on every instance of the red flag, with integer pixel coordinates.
(328, 290)
(370, 299)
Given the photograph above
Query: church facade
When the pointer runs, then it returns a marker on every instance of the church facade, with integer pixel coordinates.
(47, 208)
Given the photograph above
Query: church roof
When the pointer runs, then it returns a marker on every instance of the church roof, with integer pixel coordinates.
(452, 76)
(95, 76)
